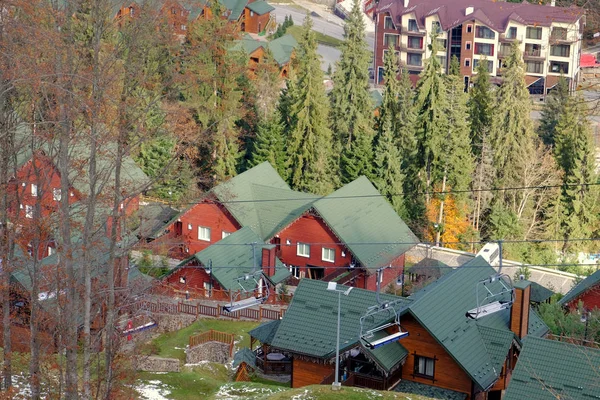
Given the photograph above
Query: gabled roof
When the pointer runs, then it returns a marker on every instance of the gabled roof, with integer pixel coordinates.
(441, 310)
(558, 370)
(260, 7)
(244, 355)
(539, 293)
(282, 48)
(536, 327)
(309, 326)
(265, 333)
(366, 223)
(233, 257)
(154, 218)
(586, 284)
(494, 14)
(236, 8)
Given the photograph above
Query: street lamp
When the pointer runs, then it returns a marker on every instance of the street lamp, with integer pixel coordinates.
(332, 286)
(585, 318)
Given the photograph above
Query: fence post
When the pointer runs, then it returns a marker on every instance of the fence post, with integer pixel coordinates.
(260, 313)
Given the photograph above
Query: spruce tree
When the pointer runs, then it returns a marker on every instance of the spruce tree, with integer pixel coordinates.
(309, 142)
(357, 160)
(480, 107)
(454, 66)
(388, 176)
(574, 151)
(511, 133)
(390, 98)
(556, 103)
(269, 144)
(432, 122)
(406, 118)
(352, 108)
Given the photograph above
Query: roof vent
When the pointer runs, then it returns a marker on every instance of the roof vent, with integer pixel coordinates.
(469, 10)
(406, 3)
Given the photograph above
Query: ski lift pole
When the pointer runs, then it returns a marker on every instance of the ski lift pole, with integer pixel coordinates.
(500, 255)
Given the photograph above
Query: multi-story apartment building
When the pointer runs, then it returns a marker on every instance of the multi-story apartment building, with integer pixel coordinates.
(482, 31)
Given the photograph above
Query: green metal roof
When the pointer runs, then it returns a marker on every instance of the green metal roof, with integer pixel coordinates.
(498, 343)
(429, 267)
(309, 326)
(539, 293)
(282, 48)
(236, 8)
(549, 369)
(265, 333)
(536, 327)
(388, 356)
(441, 310)
(367, 223)
(154, 218)
(244, 355)
(587, 283)
(232, 258)
(260, 7)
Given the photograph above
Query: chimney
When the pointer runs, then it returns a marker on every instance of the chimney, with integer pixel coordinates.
(519, 313)
(268, 261)
(406, 3)
(553, 3)
(469, 10)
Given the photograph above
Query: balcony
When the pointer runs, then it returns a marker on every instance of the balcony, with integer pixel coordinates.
(533, 55)
(406, 48)
(509, 39)
(414, 33)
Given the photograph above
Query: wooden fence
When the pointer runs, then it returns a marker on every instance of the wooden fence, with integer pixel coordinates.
(214, 336)
(257, 314)
(163, 289)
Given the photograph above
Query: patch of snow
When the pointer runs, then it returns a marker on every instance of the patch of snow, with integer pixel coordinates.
(302, 396)
(153, 390)
(201, 363)
(230, 392)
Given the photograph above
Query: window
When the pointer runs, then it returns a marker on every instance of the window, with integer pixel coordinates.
(559, 34)
(204, 233)
(415, 42)
(557, 67)
(483, 32)
(490, 65)
(28, 211)
(182, 13)
(484, 49)
(207, 289)
(533, 50)
(388, 23)
(225, 234)
(467, 62)
(424, 366)
(469, 28)
(295, 271)
(533, 33)
(328, 254)
(412, 25)
(511, 33)
(533, 67)
(441, 44)
(390, 39)
(56, 194)
(414, 59)
(182, 279)
(468, 46)
(561, 50)
(183, 27)
(252, 13)
(442, 61)
(436, 27)
(190, 227)
(504, 49)
(379, 74)
(131, 11)
(173, 10)
(50, 250)
(33, 190)
(303, 250)
(71, 194)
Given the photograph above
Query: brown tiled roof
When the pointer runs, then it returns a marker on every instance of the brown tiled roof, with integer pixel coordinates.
(494, 14)
(529, 79)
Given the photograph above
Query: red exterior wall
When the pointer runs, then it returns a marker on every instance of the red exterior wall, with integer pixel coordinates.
(389, 275)
(464, 53)
(590, 299)
(311, 229)
(379, 46)
(176, 16)
(195, 277)
(209, 215)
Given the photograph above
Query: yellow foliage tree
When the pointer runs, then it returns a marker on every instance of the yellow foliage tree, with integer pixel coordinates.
(454, 227)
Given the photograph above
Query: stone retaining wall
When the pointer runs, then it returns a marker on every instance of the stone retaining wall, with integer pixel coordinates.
(171, 323)
(156, 364)
(210, 351)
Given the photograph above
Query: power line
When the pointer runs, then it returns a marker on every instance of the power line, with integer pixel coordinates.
(428, 192)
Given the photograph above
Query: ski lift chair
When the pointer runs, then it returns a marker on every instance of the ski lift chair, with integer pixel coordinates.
(494, 294)
(240, 304)
(383, 311)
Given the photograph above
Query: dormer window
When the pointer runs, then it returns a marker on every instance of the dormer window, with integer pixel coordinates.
(131, 12)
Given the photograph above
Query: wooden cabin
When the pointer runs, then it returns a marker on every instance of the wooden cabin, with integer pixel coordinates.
(587, 292)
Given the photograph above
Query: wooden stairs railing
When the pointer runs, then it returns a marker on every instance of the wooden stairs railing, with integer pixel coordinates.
(213, 336)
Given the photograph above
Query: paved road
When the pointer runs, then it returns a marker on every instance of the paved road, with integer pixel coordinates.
(326, 23)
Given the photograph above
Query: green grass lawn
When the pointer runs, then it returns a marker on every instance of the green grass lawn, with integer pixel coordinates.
(173, 344)
(296, 31)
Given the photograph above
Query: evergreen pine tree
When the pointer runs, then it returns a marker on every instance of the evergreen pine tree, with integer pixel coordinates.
(454, 66)
(574, 153)
(511, 132)
(357, 160)
(390, 98)
(405, 120)
(556, 103)
(309, 138)
(387, 176)
(432, 122)
(480, 107)
(269, 144)
(352, 108)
